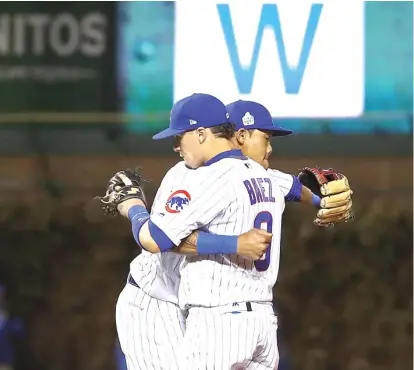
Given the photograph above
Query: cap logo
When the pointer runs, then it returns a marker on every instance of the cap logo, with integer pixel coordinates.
(248, 119)
(227, 115)
(192, 122)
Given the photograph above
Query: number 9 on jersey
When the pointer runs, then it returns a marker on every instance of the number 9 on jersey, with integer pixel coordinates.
(264, 220)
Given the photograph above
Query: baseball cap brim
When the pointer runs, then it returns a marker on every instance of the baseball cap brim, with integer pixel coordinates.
(168, 132)
(279, 131)
(275, 130)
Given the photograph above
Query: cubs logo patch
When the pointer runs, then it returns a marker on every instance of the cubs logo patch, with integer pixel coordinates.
(177, 200)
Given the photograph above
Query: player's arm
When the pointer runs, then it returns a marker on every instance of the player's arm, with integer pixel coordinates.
(333, 198)
(146, 233)
(308, 197)
(251, 245)
(156, 233)
(160, 232)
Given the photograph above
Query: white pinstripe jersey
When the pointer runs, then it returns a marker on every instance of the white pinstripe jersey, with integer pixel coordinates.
(284, 180)
(158, 275)
(228, 197)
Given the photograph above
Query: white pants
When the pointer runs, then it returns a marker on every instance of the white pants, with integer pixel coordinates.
(231, 338)
(150, 331)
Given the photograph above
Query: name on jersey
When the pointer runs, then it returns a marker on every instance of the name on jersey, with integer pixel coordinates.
(177, 201)
(259, 190)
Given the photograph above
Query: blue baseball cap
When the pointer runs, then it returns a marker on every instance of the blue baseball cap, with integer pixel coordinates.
(197, 110)
(251, 115)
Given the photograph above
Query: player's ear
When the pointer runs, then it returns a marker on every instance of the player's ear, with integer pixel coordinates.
(241, 136)
(201, 134)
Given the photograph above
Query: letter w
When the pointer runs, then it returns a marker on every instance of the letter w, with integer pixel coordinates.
(269, 17)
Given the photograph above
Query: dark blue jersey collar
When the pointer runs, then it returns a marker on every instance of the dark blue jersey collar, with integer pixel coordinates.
(234, 153)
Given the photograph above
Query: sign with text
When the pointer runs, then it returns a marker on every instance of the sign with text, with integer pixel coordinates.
(298, 61)
(55, 56)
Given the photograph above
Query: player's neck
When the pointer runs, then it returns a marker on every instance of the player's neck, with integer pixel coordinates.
(220, 146)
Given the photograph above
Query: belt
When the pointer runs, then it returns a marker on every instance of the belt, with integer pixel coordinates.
(239, 307)
(132, 281)
(245, 306)
(248, 306)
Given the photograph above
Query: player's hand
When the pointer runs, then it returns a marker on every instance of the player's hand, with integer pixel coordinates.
(334, 190)
(253, 244)
(123, 186)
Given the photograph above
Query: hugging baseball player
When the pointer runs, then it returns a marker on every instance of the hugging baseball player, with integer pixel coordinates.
(229, 200)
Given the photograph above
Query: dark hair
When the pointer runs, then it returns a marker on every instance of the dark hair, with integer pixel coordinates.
(224, 131)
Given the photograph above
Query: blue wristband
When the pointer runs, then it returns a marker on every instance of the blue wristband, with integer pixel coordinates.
(316, 201)
(216, 244)
(137, 212)
(138, 215)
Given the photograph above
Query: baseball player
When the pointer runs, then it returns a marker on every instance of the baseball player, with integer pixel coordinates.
(230, 194)
(155, 239)
(149, 322)
(255, 128)
(292, 189)
(159, 278)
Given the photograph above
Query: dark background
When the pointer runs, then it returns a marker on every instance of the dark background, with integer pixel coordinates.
(344, 293)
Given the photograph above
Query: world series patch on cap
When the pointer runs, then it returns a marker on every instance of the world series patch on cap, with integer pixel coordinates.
(251, 115)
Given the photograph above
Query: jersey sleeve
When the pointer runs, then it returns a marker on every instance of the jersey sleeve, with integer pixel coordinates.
(284, 180)
(193, 206)
(289, 184)
(171, 179)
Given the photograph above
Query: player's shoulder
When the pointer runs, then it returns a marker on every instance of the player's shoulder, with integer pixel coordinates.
(255, 165)
(250, 165)
(178, 168)
(217, 167)
(175, 175)
(279, 174)
(230, 166)
(223, 170)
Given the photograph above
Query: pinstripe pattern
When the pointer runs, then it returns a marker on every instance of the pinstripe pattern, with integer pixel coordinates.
(284, 180)
(150, 325)
(213, 339)
(221, 341)
(158, 274)
(150, 331)
(223, 279)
